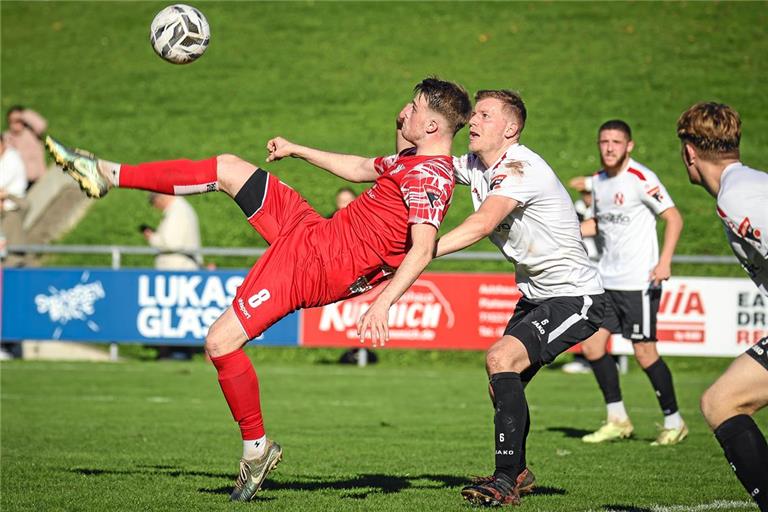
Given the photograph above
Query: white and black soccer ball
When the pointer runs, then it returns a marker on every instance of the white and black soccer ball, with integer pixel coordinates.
(180, 34)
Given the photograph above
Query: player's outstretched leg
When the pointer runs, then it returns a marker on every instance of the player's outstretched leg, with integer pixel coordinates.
(240, 386)
(96, 176)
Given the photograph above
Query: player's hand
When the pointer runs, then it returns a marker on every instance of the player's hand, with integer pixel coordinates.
(373, 324)
(581, 183)
(279, 148)
(660, 272)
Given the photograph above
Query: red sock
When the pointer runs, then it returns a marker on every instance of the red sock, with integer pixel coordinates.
(176, 177)
(241, 389)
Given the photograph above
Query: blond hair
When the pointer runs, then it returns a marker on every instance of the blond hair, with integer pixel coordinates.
(512, 101)
(714, 129)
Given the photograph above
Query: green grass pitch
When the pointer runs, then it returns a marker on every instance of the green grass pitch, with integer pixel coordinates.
(401, 435)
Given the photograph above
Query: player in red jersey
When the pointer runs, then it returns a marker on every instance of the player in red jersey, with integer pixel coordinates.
(388, 231)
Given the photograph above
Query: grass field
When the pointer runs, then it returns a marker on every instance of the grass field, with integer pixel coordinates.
(401, 435)
(334, 74)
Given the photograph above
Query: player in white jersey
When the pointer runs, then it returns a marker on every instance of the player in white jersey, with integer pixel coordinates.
(710, 134)
(627, 197)
(524, 209)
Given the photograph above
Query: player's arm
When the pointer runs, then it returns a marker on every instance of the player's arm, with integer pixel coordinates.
(373, 322)
(589, 227)
(356, 169)
(477, 226)
(673, 226)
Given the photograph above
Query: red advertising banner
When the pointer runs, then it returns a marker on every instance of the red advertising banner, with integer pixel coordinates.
(440, 311)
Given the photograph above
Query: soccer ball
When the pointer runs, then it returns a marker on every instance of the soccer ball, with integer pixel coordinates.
(179, 34)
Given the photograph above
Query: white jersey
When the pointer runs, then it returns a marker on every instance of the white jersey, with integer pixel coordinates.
(625, 207)
(742, 205)
(541, 236)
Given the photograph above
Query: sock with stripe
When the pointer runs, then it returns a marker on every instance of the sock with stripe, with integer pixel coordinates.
(175, 177)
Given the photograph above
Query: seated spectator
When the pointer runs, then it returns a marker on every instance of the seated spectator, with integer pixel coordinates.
(25, 130)
(13, 203)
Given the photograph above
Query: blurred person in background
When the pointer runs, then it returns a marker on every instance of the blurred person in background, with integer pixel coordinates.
(344, 196)
(710, 135)
(177, 234)
(25, 131)
(13, 202)
(627, 199)
(362, 355)
(178, 231)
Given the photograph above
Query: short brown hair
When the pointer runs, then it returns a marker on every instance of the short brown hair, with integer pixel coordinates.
(512, 101)
(616, 124)
(447, 99)
(714, 129)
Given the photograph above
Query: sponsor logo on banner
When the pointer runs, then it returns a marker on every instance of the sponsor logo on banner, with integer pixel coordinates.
(682, 317)
(182, 305)
(416, 316)
(76, 303)
(440, 311)
(751, 317)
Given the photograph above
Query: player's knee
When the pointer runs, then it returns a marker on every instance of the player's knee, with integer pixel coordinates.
(592, 351)
(505, 356)
(646, 354)
(216, 343)
(710, 408)
(232, 172)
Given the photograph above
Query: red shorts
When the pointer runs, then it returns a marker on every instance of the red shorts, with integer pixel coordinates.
(274, 286)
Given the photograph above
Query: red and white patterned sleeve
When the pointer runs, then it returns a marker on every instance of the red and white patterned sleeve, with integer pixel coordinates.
(427, 190)
(383, 163)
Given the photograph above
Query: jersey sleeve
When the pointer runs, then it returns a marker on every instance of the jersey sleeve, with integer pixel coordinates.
(427, 190)
(461, 169)
(653, 194)
(383, 163)
(516, 181)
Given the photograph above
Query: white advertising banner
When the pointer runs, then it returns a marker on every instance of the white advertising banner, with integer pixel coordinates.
(701, 316)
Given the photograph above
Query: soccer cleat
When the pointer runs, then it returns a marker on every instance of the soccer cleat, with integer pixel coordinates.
(524, 483)
(253, 472)
(81, 165)
(610, 431)
(494, 493)
(670, 436)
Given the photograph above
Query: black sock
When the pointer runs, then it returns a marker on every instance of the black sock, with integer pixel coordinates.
(747, 451)
(523, 462)
(661, 380)
(509, 420)
(607, 376)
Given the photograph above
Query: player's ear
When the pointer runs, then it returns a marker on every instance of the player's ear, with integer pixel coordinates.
(512, 129)
(689, 154)
(630, 146)
(432, 126)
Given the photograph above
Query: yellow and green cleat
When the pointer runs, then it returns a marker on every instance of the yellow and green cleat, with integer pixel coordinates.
(670, 436)
(610, 431)
(81, 165)
(253, 472)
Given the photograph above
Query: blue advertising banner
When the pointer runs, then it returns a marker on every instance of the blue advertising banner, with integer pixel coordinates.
(141, 306)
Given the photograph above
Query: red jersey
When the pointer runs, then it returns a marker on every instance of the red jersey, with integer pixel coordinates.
(411, 189)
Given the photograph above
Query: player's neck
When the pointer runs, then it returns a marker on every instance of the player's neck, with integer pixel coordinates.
(712, 174)
(433, 147)
(491, 156)
(618, 168)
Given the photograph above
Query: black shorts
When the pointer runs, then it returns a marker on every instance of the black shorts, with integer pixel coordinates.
(759, 352)
(550, 327)
(632, 313)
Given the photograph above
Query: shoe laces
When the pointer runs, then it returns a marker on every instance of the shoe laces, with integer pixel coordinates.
(243, 476)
